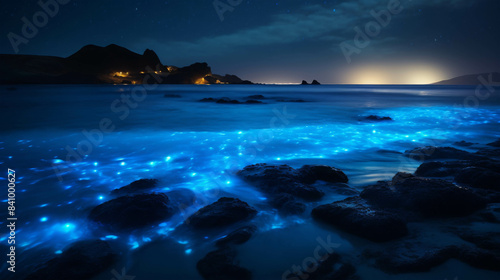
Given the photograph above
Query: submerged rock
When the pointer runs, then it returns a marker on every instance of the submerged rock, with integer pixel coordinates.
(288, 204)
(311, 173)
(223, 212)
(130, 212)
(426, 197)
(251, 101)
(222, 265)
(138, 186)
(433, 153)
(495, 144)
(279, 179)
(378, 118)
(463, 144)
(210, 99)
(81, 260)
(256, 97)
(355, 216)
(237, 237)
(440, 169)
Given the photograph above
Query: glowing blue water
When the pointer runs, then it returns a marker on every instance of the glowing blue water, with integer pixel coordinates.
(199, 146)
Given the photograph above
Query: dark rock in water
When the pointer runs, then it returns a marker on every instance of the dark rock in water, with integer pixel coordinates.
(479, 177)
(417, 257)
(81, 260)
(172, 96)
(237, 237)
(285, 179)
(311, 173)
(279, 179)
(210, 99)
(440, 169)
(304, 82)
(253, 102)
(495, 144)
(314, 82)
(463, 144)
(288, 204)
(410, 257)
(130, 212)
(222, 265)
(400, 177)
(378, 118)
(489, 152)
(389, 152)
(355, 216)
(427, 197)
(484, 240)
(480, 258)
(256, 97)
(433, 153)
(225, 211)
(138, 186)
(227, 100)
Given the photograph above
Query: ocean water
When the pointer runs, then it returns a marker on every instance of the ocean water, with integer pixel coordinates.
(59, 141)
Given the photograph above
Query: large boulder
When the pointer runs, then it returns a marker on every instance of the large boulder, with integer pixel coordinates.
(142, 185)
(426, 197)
(81, 260)
(355, 216)
(223, 212)
(222, 265)
(433, 153)
(130, 212)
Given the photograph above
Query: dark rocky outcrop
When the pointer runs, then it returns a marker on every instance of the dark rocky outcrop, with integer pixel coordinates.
(222, 265)
(223, 212)
(286, 185)
(426, 197)
(81, 260)
(256, 97)
(131, 212)
(434, 153)
(237, 237)
(463, 144)
(495, 144)
(356, 216)
(227, 79)
(471, 79)
(314, 82)
(378, 118)
(110, 65)
(138, 186)
(304, 82)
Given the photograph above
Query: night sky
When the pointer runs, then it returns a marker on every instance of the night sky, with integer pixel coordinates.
(279, 41)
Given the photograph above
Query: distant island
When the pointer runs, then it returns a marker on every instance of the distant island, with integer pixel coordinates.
(112, 64)
(471, 79)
